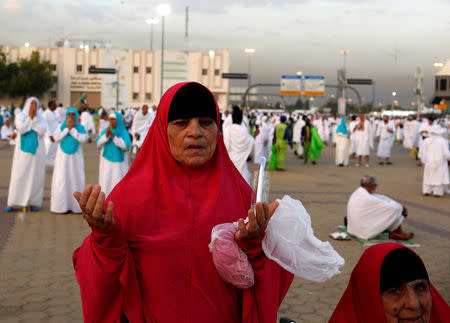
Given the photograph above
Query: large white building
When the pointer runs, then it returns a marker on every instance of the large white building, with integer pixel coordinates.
(139, 78)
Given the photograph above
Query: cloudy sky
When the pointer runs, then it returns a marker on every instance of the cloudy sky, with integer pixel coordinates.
(288, 35)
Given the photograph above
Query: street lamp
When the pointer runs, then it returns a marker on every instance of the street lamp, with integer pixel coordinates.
(211, 54)
(151, 21)
(343, 80)
(394, 94)
(163, 10)
(438, 64)
(299, 73)
(27, 44)
(249, 52)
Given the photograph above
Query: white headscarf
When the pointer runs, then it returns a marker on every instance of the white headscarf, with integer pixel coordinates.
(24, 114)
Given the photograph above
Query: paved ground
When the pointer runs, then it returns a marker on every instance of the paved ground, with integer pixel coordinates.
(37, 282)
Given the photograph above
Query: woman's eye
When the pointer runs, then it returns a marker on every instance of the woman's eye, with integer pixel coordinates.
(206, 122)
(180, 123)
(422, 287)
(395, 291)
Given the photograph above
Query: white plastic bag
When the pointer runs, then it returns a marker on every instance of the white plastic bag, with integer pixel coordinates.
(231, 262)
(291, 243)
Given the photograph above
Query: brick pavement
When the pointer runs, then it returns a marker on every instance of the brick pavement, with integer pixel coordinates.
(37, 282)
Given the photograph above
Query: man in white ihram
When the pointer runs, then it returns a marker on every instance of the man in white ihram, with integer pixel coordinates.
(87, 121)
(435, 156)
(141, 124)
(52, 126)
(239, 143)
(385, 138)
(369, 214)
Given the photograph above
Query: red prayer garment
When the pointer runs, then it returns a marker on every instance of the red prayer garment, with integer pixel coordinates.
(155, 265)
(362, 301)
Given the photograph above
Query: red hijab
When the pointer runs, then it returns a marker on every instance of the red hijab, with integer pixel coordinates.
(362, 302)
(166, 213)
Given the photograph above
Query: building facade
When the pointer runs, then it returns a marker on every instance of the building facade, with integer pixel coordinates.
(442, 85)
(138, 81)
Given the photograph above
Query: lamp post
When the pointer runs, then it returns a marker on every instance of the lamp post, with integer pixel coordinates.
(151, 21)
(211, 64)
(27, 44)
(249, 52)
(163, 10)
(394, 94)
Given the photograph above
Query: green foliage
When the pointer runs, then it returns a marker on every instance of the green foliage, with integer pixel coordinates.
(28, 77)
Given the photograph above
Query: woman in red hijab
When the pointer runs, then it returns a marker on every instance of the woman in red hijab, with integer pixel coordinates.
(390, 284)
(147, 258)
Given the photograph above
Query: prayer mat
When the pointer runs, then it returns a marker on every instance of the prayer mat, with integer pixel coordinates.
(381, 238)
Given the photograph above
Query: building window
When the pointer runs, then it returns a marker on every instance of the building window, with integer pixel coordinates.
(79, 68)
(53, 94)
(204, 71)
(53, 67)
(148, 96)
(136, 69)
(92, 66)
(216, 72)
(443, 85)
(135, 95)
(437, 85)
(148, 70)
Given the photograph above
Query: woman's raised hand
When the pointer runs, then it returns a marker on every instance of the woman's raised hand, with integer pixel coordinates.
(257, 223)
(91, 203)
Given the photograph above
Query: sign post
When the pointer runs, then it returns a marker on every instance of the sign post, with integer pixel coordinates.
(302, 85)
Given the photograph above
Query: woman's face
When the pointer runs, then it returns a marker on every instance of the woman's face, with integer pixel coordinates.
(71, 116)
(192, 141)
(112, 122)
(411, 302)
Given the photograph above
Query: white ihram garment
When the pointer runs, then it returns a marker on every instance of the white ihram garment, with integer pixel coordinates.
(363, 140)
(110, 173)
(87, 120)
(102, 125)
(6, 133)
(141, 125)
(68, 174)
(424, 132)
(368, 215)
(239, 144)
(262, 143)
(351, 128)
(52, 126)
(323, 128)
(386, 140)
(342, 149)
(434, 155)
(297, 135)
(26, 187)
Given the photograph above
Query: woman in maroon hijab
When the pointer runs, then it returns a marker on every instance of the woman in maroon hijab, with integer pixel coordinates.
(147, 258)
(390, 284)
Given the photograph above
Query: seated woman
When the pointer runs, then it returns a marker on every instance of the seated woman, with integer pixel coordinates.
(390, 284)
(147, 258)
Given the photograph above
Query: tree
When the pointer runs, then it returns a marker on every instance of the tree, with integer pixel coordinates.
(331, 104)
(30, 77)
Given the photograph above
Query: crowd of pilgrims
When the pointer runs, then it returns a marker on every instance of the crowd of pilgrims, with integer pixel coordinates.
(389, 283)
(54, 137)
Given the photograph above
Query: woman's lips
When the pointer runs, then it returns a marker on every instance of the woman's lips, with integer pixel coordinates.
(194, 147)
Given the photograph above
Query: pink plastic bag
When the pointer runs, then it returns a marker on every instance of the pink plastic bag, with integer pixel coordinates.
(231, 262)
